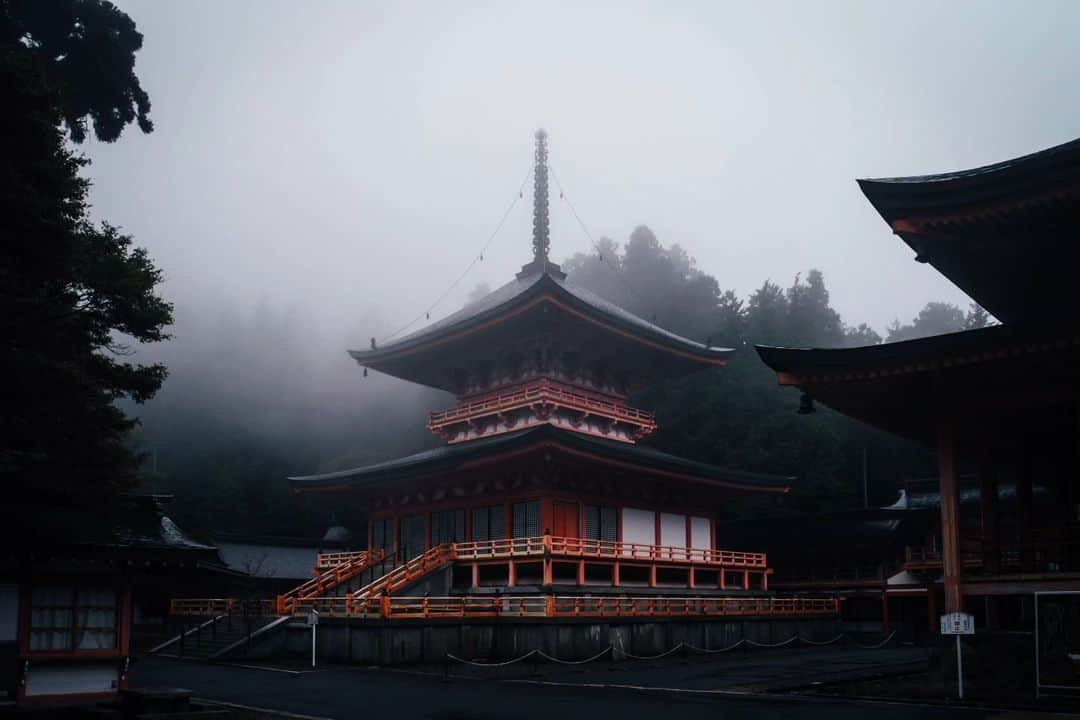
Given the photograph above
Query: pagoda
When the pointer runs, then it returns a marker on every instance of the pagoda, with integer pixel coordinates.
(541, 482)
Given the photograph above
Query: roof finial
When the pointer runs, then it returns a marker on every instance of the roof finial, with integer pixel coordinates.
(541, 239)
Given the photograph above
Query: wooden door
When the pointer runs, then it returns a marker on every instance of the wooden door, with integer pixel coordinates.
(566, 520)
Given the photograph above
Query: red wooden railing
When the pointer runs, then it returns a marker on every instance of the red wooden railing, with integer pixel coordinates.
(549, 606)
(310, 594)
(541, 391)
(325, 561)
(351, 566)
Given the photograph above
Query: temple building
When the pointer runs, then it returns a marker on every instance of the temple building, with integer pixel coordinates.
(542, 443)
(998, 404)
(541, 521)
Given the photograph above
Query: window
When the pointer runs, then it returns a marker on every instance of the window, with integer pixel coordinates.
(488, 524)
(601, 523)
(382, 534)
(447, 526)
(412, 541)
(527, 519)
(66, 618)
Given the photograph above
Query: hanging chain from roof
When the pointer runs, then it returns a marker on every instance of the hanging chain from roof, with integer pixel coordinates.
(541, 238)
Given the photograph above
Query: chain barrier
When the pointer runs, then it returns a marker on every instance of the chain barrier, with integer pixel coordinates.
(681, 645)
(597, 656)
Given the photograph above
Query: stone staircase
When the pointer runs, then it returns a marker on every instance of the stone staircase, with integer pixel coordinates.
(216, 637)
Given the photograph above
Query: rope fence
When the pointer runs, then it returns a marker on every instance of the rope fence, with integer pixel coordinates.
(681, 646)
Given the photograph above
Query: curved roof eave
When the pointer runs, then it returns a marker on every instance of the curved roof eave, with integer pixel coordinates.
(519, 294)
(896, 198)
(452, 457)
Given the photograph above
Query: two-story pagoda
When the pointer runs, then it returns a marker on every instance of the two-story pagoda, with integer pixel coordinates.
(541, 482)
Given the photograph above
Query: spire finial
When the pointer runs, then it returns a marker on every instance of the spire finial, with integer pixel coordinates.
(541, 239)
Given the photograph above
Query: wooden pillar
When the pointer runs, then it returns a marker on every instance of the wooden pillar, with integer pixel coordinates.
(950, 514)
(745, 579)
(581, 572)
(512, 579)
(723, 580)
(652, 575)
(988, 505)
(475, 575)
(691, 577)
(1023, 516)
(615, 575)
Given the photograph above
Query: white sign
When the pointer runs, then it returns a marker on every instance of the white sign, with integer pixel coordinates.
(313, 618)
(957, 623)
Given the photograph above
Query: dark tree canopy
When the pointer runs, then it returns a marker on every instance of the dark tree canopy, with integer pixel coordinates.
(938, 318)
(86, 48)
(737, 415)
(72, 295)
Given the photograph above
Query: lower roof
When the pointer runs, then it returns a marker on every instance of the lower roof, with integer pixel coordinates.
(1003, 385)
(460, 456)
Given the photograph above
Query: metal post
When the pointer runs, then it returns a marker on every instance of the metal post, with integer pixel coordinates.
(959, 669)
(314, 628)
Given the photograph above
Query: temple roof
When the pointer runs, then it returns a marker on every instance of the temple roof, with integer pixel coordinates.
(449, 458)
(1002, 233)
(821, 535)
(1004, 384)
(641, 348)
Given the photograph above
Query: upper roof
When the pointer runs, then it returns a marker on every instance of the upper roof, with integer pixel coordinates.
(1002, 233)
(643, 350)
(453, 457)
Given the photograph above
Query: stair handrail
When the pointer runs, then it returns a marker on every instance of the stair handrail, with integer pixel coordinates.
(328, 579)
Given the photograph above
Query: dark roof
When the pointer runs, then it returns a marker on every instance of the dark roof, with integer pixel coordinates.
(898, 198)
(1007, 382)
(122, 528)
(1001, 233)
(518, 295)
(848, 532)
(451, 457)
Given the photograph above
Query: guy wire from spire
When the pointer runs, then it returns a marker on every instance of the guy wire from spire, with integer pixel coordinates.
(475, 260)
(614, 268)
(541, 226)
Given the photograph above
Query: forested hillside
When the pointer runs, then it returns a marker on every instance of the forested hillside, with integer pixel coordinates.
(252, 398)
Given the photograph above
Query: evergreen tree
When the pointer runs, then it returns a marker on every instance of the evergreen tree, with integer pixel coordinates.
(73, 294)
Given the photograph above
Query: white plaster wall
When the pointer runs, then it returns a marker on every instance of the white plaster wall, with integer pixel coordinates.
(700, 533)
(639, 526)
(69, 679)
(673, 530)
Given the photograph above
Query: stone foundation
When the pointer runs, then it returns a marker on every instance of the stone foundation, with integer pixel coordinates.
(401, 642)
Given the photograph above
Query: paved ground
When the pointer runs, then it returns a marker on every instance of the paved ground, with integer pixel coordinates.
(355, 692)
(758, 670)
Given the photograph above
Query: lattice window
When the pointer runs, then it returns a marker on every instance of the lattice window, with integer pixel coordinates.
(447, 526)
(67, 618)
(382, 534)
(527, 519)
(488, 523)
(601, 523)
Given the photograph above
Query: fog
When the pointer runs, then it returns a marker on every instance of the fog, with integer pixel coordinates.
(334, 166)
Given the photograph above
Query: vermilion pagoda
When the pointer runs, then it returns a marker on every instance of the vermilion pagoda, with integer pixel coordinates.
(541, 503)
(542, 441)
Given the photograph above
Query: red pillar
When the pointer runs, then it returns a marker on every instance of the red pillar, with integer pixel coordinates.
(950, 514)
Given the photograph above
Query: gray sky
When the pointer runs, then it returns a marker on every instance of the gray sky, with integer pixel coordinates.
(348, 159)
